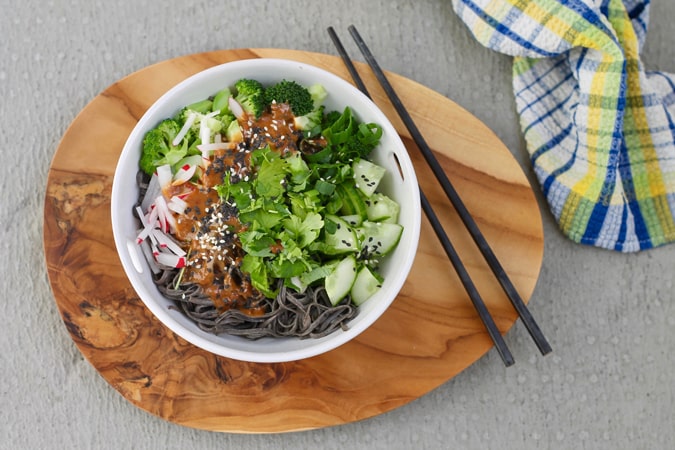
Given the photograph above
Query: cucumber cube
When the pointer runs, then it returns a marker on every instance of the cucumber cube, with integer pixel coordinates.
(365, 285)
(380, 208)
(379, 238)
(340, 281)
(343, 240)
(367, 176)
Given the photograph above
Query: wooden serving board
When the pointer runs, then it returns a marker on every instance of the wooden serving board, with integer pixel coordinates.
(430, 333)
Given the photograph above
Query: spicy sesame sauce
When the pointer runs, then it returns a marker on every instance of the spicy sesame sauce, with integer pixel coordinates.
(209, 226)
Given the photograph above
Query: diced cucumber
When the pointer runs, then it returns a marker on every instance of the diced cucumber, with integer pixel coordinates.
(352, 201)
(379, 238)
(380, 208)
(365, 285)
(367, 176)
(233, 132)
(340, 281)
(354, 220)
(343, 240)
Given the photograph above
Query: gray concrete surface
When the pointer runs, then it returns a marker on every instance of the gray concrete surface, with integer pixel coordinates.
(609, 383)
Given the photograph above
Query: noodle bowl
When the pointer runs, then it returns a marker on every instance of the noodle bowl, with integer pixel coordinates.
(299, 315)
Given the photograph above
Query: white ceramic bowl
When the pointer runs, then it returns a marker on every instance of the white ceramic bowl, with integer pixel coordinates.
(403, 189)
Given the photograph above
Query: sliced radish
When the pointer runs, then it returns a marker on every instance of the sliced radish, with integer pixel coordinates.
(164, 175)
(236, 108)
(149, 257)
(186, 127)
(152, 217)
(151, 193)
(216, 146)
(170, 260)
(177, 204)
(135, 257)
(143, 234)
(165, 241)
(167, 223)
(184, 174)
(149, 223)
(141, 216)
(153, 248)
(204, 132)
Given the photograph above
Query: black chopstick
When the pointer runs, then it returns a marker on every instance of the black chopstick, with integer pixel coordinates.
(453, 196)
(464, 277)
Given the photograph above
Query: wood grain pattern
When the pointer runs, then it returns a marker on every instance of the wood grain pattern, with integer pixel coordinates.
(429, 334)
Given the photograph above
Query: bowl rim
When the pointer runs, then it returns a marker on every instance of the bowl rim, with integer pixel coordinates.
(197, 337)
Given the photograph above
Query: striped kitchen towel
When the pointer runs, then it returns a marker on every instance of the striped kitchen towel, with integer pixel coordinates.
(599, 128)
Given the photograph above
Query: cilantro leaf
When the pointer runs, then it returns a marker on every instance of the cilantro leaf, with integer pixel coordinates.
(257, 270)
(299, 172)
(224, 188)
(271, 176)
(304, 231)
(256, 243)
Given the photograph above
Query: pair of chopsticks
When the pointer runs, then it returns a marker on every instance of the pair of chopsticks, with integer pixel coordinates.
(453, 196)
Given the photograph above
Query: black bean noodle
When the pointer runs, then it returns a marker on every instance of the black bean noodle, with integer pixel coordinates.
(291, 314)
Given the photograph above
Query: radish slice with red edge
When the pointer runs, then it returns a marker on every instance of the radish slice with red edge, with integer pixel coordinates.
(149, 257)
(184, 174)
(165, 241)
(167, 223)
(149, 222)
(170, 260)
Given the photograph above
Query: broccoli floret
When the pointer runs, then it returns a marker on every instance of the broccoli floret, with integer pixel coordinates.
(157, 144)
(251, 96)
(169, 128)
(183, 116)
(295, 95)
